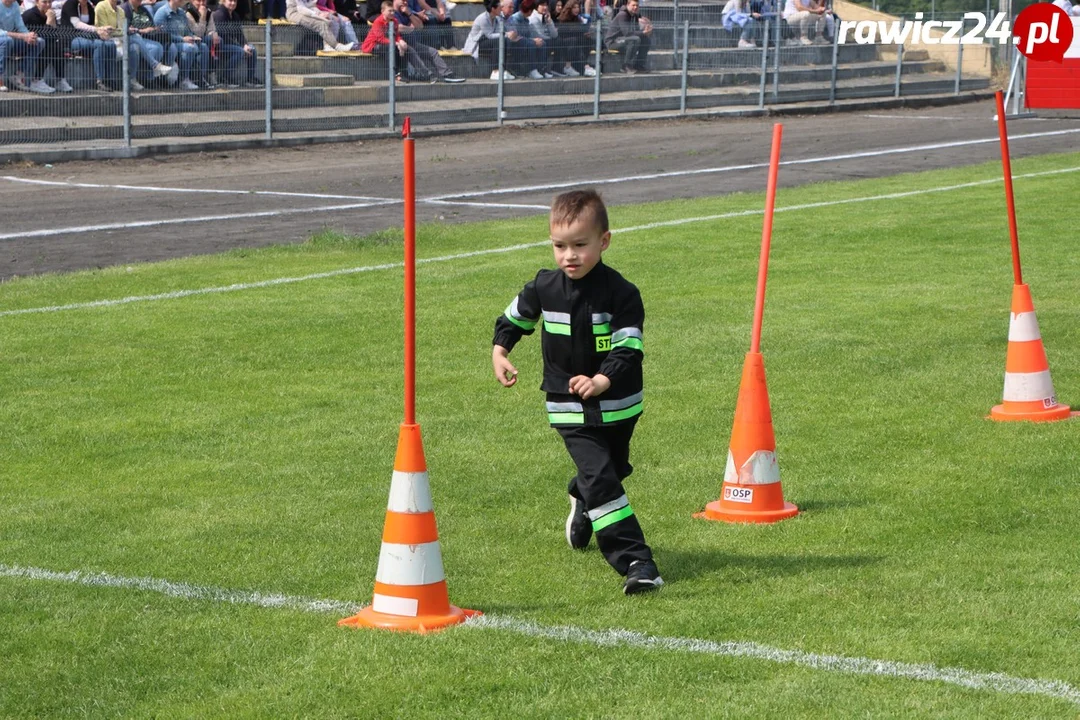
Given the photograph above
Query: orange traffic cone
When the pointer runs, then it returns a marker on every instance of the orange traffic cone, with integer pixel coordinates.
(751, 491)
(1029, 392)
(410, 587)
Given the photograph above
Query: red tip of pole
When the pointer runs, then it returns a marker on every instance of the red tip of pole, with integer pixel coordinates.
(406, 129)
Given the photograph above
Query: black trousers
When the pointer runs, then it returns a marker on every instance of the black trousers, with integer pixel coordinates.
(602, 457)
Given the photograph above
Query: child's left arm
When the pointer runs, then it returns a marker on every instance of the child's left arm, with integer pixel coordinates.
(627, 350)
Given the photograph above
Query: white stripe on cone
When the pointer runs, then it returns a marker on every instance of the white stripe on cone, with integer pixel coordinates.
(760, 468)
(1023, 327)
(390, 605)
(410, 564)
(1028, 387)
(410, 492)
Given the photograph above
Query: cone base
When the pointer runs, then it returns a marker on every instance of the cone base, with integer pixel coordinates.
(716, 511)
(368, 618)
(1059, 412)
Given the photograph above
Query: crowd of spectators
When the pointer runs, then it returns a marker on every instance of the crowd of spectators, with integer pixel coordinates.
(193, 44)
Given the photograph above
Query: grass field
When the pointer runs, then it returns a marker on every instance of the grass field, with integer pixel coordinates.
(242, 442)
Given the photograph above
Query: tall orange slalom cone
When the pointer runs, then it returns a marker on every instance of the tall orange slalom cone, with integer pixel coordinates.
(410, 587)
(1029, 392)
(751, 491)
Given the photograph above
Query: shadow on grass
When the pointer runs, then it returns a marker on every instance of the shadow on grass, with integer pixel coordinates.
(737, 569)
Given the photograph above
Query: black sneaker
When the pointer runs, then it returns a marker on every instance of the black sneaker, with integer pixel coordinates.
(578, 525)
(642, 576)
(452, 79)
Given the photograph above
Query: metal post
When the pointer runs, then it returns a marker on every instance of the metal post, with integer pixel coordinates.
(599, 64)
(764, 65)
(959, 65)
(675, 29)
(125, 67)
(391, 54)
(268, 61)
(685, 63)
(835, 65)
(776, 60)
(899, 67)
(502, 71)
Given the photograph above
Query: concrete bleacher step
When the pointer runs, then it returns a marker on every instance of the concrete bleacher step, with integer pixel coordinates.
(428, 113)
(281, 49)
(313, 80)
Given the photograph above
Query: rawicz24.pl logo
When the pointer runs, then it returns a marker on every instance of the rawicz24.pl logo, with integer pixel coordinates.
(1042, 31)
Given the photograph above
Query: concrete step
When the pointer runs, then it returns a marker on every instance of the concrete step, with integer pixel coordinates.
(320, 80)
(281, 49)
(478, 110)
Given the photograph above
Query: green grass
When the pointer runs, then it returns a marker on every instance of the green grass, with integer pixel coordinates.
(244, 441)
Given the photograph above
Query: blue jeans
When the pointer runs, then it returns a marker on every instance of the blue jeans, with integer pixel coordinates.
(11, 46)
(188, 55)
(103, 53)
(148, 52)
(231, 56)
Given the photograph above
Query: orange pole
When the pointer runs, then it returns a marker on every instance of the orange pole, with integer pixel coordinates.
(410, 276)
(1009, 201)
(766, 238)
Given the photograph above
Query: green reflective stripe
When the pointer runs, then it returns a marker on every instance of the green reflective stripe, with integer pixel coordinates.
(616, 415)
(630, 342)
(601, 328)
(556, 328)
(523, 324)
(566, 418)
(612, 517)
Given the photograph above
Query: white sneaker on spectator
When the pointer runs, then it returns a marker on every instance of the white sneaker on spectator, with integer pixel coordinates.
(535, 75)
(63, 86)
(39, 86)
(136, 85)
(449, 5)
(548, 75)
(506, 75)
(805, 41)
(746, 44)
(569, 71)
(186, 84)
(162, 69)
(174, 73)
(589, 72)
(343, 47)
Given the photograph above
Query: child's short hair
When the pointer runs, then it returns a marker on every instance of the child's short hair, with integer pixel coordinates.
(527, 6)
(387, 4)
(569, 206)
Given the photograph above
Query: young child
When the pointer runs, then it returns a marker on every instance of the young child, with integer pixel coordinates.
(592, 348)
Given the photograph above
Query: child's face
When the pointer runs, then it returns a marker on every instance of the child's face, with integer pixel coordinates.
(578, 245)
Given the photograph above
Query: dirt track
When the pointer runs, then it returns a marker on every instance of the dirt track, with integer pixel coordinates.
(476, 163)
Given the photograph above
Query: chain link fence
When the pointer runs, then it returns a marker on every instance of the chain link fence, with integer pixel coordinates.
(173, 74)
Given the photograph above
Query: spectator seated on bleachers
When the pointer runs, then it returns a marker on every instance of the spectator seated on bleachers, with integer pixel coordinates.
(377, 42)
(483, 40)
(235, 51)
(150, 38)
(804, 15)
(433, 64)
(306, 14)
(17, 39)
(436, 22)
(630, 35)
(107, 15)
(525, 50)
(340, 25)
(41, 20)
(201, 22)
(544, 28)
(90, 41)
(186, 47)
(744, 20)
(574, 40)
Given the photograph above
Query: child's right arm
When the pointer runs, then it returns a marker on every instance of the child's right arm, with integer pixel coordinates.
(519, 319)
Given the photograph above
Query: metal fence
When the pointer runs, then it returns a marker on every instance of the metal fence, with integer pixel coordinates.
(124, 88)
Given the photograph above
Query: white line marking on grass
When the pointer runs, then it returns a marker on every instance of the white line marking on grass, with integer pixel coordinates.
(755, 166)
(177, 221)
(263, 283)
(616, 637)
(200, 191)
(180, 590)
(446, 258)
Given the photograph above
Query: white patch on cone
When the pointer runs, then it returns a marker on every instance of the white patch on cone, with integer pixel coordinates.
(410, 492)
(1023, 327)
(410, 564)
(390, 605)
(760, 468)
(1028, 387)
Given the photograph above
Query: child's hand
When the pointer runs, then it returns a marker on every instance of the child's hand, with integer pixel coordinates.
(586, 386)
(505, 372)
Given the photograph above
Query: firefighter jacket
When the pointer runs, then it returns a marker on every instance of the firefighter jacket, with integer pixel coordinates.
(592, 325)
